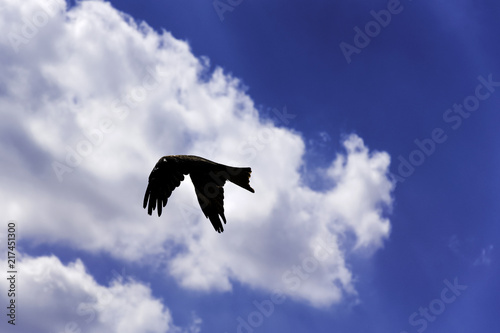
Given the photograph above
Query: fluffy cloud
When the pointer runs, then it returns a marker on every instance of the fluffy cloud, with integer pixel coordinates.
(53, 297)
(91, 99)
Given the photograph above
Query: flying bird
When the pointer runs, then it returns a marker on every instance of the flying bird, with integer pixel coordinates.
(208, 179)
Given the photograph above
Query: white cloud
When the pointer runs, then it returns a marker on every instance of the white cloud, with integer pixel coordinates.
(52, 297)
(93, 99)
(485, 256)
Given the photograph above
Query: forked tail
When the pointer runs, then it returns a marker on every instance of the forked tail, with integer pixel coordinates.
(238, 176)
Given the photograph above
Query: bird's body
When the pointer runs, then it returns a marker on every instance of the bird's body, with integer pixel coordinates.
(208, 179)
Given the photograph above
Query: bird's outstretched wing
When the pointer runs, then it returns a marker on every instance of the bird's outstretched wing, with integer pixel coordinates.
(208, 178)
(165, 177)
(210, 196)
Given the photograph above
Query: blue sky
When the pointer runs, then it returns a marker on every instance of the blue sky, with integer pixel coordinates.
(375, 168)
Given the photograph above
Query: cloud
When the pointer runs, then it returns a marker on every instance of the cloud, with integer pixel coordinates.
(53, 297)
(466, 249)
(485, 256)
(93, 99)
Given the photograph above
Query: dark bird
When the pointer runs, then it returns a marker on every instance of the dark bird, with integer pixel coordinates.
(208, 179)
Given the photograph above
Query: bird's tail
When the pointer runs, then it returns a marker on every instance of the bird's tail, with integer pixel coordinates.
(238, 176)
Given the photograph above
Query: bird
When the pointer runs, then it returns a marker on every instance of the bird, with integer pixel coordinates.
(208, 178)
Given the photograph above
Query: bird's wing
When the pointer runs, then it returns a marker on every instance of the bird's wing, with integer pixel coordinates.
(164, 178)
(210, 196)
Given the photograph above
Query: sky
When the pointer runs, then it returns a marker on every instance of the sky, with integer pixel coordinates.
(370, 127)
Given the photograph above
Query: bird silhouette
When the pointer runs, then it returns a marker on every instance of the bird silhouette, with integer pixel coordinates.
(208, 179)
